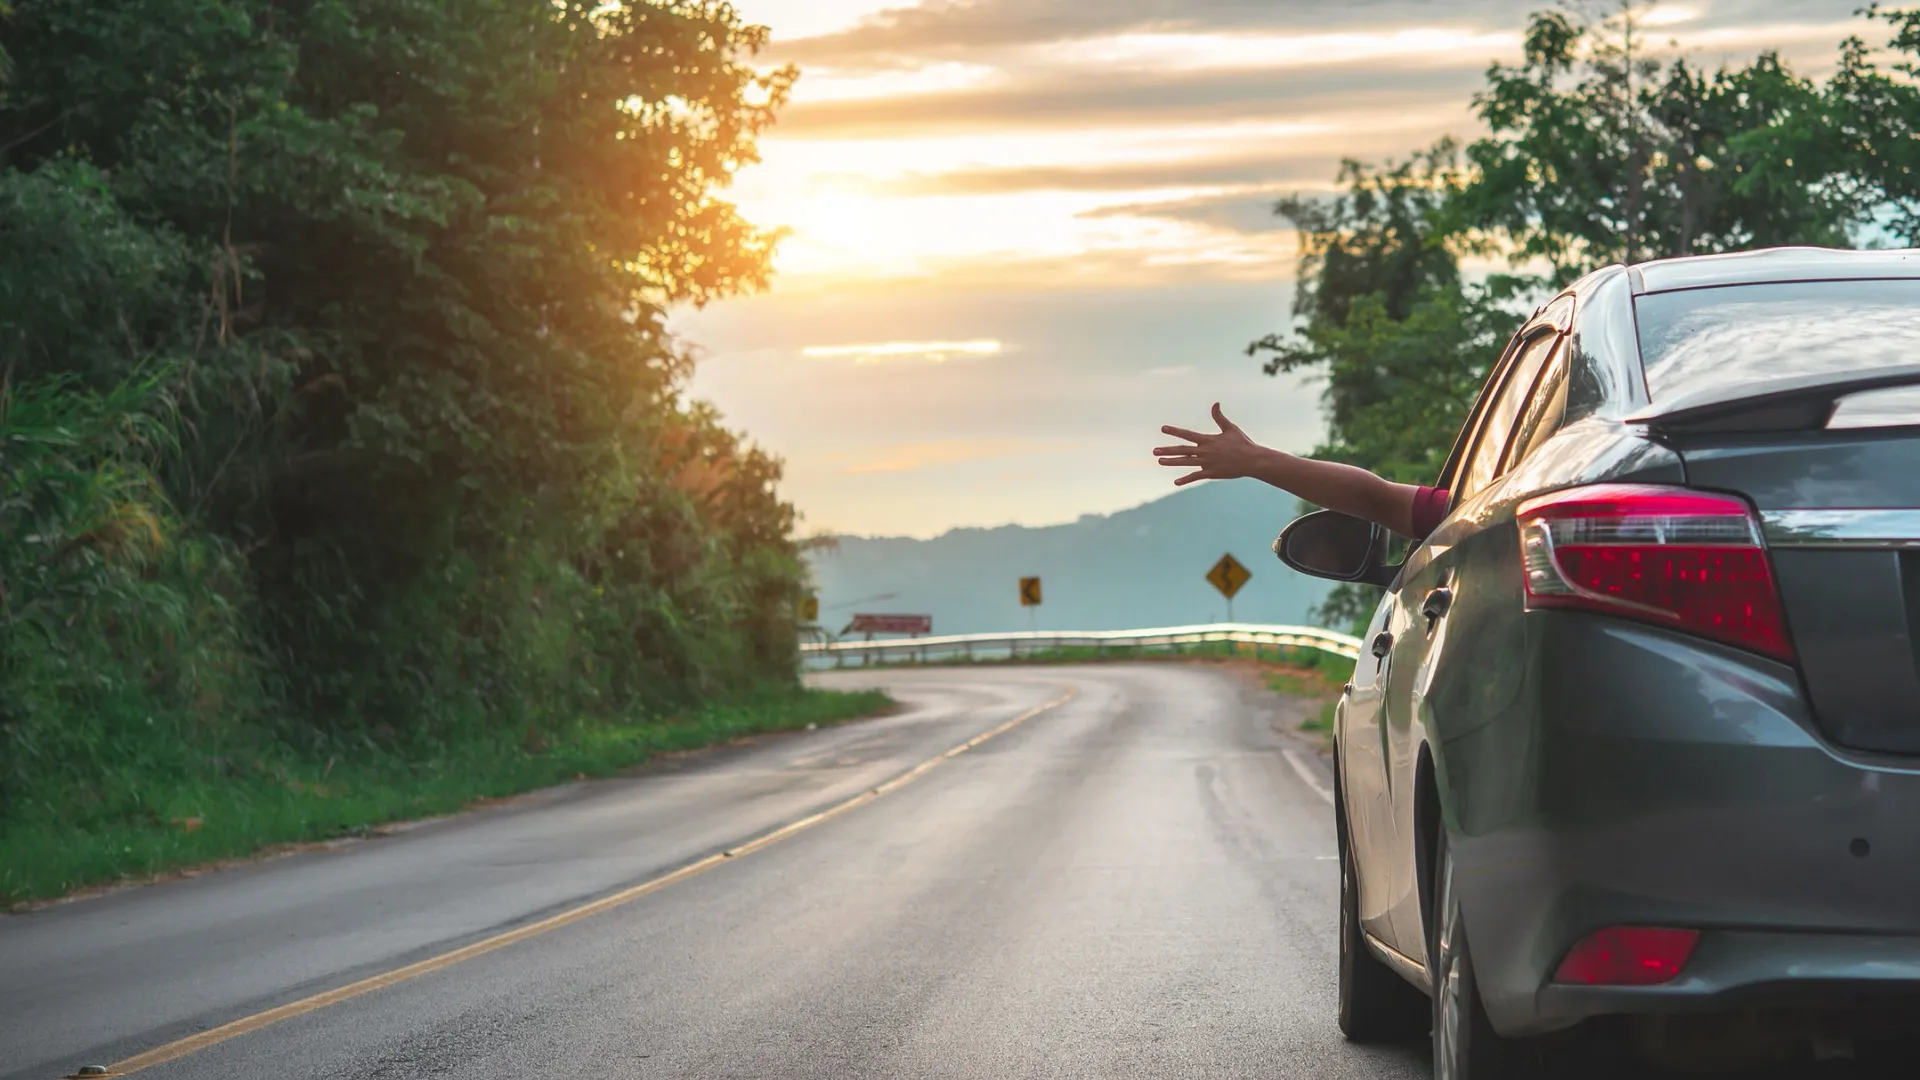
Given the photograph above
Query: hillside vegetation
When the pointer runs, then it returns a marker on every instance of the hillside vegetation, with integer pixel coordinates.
(341, 445)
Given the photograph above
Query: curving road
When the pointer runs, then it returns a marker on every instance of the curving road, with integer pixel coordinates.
(1127, 872)
(1137, 882)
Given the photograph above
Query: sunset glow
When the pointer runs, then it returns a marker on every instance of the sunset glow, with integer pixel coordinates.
(930, 351)
(1090, 186)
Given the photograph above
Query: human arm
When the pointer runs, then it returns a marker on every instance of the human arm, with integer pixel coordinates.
(1232, 454)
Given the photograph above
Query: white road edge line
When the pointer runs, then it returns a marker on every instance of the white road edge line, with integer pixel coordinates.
(1310, 774)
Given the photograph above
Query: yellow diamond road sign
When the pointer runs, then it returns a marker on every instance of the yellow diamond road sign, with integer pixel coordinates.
(810, 609)
(1229, 576)
(1029, 592)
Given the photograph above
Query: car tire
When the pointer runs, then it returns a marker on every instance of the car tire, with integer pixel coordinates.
(1376, 1005)
(1465, 1046)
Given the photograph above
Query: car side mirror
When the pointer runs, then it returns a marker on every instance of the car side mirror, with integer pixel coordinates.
(1339, 547)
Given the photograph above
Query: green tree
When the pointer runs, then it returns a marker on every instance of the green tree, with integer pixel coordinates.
(1384, 315)
(1859, 142)
(390, 276)
(1599, 151)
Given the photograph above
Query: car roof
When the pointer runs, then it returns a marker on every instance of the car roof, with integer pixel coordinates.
(1773, 265)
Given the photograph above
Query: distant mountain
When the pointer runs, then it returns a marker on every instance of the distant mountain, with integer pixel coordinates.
(1137, 568)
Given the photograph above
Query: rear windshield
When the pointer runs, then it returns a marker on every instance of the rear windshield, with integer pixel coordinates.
(1757, 334)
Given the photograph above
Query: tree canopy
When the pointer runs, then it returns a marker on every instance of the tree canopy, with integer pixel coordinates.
(335, 393)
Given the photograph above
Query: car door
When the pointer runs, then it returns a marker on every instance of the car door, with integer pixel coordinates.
(1363, 790)
(1374, 842)
(1423, 596)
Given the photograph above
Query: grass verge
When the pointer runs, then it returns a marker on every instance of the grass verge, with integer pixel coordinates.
(1318, 686)
(267, 804)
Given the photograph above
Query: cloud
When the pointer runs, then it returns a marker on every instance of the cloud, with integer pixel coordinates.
(1260, 167)
(960, 27)
(1246, 212)
(1272, 262)
(897, 81)
(1673, 14)
(949, 26)
(1065, 99)
(931, 352)
(1161, 79)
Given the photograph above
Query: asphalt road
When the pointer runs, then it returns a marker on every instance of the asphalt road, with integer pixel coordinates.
(1137, 882)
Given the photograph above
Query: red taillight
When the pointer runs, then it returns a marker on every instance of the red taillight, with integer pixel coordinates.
(1628, 956)
(1692, 560)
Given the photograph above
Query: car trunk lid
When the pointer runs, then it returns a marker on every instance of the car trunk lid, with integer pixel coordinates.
(1841, 515)
(1804, 397)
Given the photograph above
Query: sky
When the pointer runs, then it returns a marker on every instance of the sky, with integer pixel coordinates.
(1023, 234)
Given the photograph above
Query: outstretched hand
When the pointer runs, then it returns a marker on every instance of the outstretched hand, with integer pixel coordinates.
(1228, 455)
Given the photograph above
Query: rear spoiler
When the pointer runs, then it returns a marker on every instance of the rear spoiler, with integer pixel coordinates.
(1801, 403)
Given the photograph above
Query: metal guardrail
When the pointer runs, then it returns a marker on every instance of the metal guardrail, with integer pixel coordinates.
(1018, 643)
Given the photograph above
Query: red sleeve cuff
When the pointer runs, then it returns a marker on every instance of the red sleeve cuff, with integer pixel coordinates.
(1429, 507)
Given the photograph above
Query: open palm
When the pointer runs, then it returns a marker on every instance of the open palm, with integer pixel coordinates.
(1227, 455)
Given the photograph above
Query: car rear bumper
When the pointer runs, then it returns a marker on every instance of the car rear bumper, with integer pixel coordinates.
(1652, 780)
(1759, 970)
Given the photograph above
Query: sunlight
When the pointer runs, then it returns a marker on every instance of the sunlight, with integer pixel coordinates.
(1671, 15)
(859, 237)
(1136, 144)
(932, 352)
(862, 210)
(825, 84)
(1190, 52)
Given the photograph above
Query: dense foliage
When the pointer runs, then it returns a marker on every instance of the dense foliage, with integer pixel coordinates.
(336, 408)
(1384, 311)
(1597, 150)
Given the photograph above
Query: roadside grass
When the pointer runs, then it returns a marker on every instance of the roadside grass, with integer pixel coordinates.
(279, 799)
(1314, 685)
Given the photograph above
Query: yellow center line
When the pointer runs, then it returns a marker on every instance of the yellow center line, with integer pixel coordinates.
(192, 1044)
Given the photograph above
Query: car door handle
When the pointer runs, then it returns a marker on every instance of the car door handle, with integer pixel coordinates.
(1382, 644)
(1436, 606)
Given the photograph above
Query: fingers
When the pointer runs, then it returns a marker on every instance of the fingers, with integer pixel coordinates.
(1187, 461)
(1174, 451)
(1183, 433)
(1227, 427)
(1190, 478)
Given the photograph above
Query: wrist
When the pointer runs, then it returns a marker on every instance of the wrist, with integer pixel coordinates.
(1266, 463)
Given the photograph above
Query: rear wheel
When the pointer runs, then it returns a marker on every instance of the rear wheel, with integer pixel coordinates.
(1465, 1046)
(1375, 1004)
